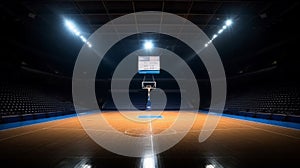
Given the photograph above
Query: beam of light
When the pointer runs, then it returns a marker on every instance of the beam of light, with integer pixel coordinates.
(148, 162)
(210, 166)
(89, 44)
(150, 159)
(228, 23)
(84, 163)
(86, 166)
(214, 36)
(72, 27)
(148, 45)
(83, 39)
(69, 24)
(77, 33)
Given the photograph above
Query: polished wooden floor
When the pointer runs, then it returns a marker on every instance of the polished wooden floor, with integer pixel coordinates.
(234, 143)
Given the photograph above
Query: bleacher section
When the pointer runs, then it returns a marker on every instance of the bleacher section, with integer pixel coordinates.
(268, 102)
(22, 102)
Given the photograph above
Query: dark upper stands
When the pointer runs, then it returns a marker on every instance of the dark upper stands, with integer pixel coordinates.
(270, 101)
(23, 102)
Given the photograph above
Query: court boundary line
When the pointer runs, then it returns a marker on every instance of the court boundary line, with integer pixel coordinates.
(287, 125)
(266, 130)
(20, 124)
(30, 132)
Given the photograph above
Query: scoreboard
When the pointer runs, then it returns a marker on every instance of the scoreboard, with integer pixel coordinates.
(148, 64)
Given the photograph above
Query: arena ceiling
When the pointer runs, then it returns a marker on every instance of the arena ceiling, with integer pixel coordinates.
(262, 35)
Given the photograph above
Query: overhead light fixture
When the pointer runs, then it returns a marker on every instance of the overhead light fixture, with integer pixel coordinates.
(72, 27)
(148, 45)
(210, 166)
(228, 22)
(83, 39)
(214, 36)
(89, 44)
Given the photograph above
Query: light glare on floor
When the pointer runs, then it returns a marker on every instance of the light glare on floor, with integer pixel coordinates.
(148, 162)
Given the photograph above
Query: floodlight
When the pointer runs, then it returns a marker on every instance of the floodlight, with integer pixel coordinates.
(83, 38)
(148, 162)
(210, 166)
(69, 24)
(89, 44)
(228, 22)
(77, 33)
(148, 45)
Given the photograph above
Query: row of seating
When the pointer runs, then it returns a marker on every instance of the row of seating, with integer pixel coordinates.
(22, 102)
(260, 99)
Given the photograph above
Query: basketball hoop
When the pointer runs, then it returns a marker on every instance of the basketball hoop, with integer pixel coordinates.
(148, 85)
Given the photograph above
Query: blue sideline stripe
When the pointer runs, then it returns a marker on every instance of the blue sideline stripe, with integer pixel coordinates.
(31, 122)
(150, 116)
(260, 120)
(149, 71)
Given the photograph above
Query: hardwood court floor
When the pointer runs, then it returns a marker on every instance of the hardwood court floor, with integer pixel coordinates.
(234, 143)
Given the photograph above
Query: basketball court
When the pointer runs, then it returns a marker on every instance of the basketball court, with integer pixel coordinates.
(234, 143)
(149, 84)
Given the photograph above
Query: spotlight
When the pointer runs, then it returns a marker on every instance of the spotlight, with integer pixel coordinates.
(89, 44)
(148, 45)
(214, 36)
(83, 38)
(228, 22)
(148, 162)
(77, 33)
(70, 24)
(210, 166)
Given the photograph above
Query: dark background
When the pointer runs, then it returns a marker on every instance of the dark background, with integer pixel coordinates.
(259, 50)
